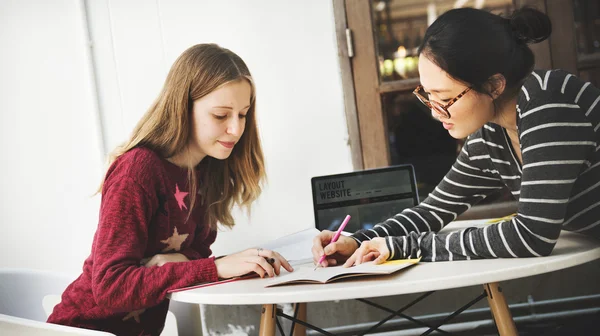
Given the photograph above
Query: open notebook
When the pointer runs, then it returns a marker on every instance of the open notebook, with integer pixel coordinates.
(296, 248)
(307, 274)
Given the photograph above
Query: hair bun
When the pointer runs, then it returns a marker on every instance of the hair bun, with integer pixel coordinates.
(529, 25)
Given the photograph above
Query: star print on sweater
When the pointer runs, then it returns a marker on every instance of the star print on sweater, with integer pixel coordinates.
(179, 196)
(174, 242)
(135, 315)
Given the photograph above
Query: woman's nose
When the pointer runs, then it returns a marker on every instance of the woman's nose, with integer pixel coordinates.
(234, 127)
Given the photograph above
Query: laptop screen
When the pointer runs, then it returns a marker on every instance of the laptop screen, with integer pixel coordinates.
(369, 196)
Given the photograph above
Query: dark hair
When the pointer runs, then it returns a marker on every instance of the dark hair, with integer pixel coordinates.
(472, 45)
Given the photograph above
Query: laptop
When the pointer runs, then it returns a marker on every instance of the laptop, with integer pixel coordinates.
(369, 196)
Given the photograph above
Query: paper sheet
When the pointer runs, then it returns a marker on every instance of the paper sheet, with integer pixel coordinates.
(296, 247)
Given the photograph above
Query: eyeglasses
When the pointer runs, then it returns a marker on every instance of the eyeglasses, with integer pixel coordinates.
(438, 108)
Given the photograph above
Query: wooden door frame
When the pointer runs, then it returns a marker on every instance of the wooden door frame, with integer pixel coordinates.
(343, 42)
(360, 81)
(563, 50)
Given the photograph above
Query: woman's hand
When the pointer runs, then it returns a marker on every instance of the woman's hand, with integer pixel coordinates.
(374, 249)
(336, 252)
(263, 262)
(161, 259)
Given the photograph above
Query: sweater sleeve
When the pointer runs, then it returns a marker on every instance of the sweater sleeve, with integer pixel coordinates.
(470, 180)
(556, 142)
(118, 281)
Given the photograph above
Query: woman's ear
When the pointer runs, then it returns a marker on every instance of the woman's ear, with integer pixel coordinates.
(496, 85)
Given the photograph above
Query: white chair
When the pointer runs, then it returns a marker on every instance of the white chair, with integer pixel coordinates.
(22, 292)
(16, 326)
(27, 297)
(24, 297)
(188, 318)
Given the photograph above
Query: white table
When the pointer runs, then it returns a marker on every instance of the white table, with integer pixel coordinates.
(571, 249)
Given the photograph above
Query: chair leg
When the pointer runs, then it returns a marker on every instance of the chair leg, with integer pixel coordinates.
(267, 320)
(502, 316)
(188, 317)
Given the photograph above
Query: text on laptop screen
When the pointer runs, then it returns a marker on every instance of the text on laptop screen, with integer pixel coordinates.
(369, 196)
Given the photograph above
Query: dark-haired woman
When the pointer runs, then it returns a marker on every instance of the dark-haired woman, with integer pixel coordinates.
(536, 132)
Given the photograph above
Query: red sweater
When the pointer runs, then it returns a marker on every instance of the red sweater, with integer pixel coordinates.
(143, 213)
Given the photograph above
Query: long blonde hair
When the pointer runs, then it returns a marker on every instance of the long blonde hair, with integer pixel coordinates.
(166, 129)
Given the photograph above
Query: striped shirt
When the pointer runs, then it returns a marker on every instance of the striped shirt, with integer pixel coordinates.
(557, 186)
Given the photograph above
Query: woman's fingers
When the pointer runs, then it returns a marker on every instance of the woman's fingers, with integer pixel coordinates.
(316, 256)
(364, 249)
(276, 263)
(286, 264)
(281, 262)
(370, 256)
(328, 251)
(351, 260)
(331, 248)
(151, 262)
(380, 260)
(360, 254)
(357, 256)
(266, 266)
(320, 240)
(365, 252)
(338, 251)
(383, 252)
(273, 258)
(276, 260)
(156, 260)
(256, 268)
(331, 262)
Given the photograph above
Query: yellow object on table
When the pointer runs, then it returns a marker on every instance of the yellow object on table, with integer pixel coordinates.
(402, 261)
(501, 219)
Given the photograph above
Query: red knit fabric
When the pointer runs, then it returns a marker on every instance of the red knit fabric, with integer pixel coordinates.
(143, 213)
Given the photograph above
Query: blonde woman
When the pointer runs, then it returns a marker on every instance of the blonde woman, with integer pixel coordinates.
(193, 156)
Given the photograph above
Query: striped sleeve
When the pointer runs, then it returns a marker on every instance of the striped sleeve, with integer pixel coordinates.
(557, 140)
(470, 180)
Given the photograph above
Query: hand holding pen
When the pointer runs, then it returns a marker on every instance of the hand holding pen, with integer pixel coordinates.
(265, 263)
(331, 248)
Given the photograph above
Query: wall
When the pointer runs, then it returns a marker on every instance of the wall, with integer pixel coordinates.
(51, 153)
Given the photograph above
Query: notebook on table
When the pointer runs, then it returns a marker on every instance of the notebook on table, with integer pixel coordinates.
(307, 274)
(296, 248)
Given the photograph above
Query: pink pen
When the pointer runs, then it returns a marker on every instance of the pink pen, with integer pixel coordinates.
(335, 238)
